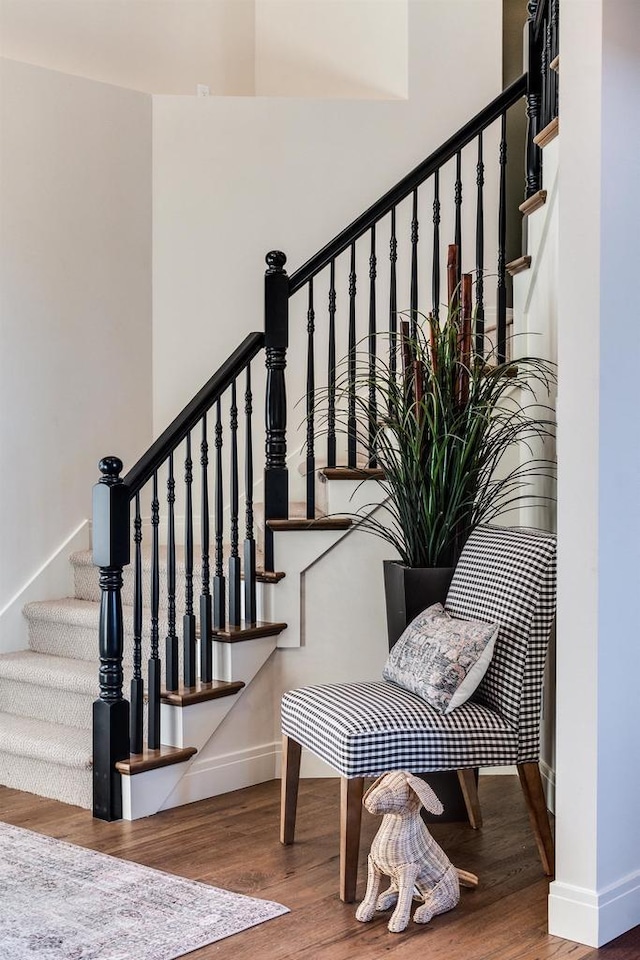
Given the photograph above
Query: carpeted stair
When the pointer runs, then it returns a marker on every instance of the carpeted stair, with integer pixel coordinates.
(47, 691)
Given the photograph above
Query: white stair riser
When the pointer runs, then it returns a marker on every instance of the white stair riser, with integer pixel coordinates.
(46, 703)
(46, 779)
(147, 793)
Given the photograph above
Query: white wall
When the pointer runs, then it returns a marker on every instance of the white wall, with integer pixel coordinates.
(324, 48)
(75, 287)
(155, 46)
(235, 178)
(596, 894)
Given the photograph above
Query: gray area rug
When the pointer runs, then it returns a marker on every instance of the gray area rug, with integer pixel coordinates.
(62, 902)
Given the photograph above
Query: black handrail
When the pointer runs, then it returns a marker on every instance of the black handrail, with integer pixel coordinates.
(538, 20)
(204, 399)
(404, 187)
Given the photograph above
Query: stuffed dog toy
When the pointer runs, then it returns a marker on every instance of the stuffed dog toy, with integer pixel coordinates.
(404, 850)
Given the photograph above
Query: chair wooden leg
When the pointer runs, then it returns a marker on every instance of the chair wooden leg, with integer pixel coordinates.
(291, 752)
(469, 787)
(350, 818)
(531, 783)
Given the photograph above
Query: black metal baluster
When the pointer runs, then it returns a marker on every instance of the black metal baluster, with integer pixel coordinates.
(311, 456)
(250, 606)
(137, 683)
(414, 266)
(458, 223)
(554, 54)
(172, 669)
(352, 438)
(153, 736)
(206, 650)
(189, 620)
(534, 154)
(545, 40)
(502, 239)
(331, 412)
(373, 411)
(435, 277)
(234, 559)
(479, 345)
(219, 591)
(393, 295)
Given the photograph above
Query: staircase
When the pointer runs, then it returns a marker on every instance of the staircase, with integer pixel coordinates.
(93, 713)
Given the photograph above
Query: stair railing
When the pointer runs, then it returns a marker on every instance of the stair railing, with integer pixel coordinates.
(413, 280)
(440, 179)
(118, 725)
(542, 81)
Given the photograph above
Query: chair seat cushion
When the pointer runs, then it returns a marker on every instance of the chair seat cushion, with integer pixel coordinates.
(364, 729)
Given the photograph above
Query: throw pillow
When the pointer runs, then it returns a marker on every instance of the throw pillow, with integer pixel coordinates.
(441, 659)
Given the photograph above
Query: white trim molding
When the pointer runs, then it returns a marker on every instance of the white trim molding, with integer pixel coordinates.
(592, 917)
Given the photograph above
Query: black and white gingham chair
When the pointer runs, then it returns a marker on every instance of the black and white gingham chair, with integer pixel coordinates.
(505, 576)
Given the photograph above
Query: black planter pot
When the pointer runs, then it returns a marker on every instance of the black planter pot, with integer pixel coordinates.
(408, 591)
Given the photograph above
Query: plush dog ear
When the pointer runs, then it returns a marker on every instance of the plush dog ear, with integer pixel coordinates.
(425, 794)
(373, 786)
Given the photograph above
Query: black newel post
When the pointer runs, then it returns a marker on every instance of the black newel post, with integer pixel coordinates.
(111, 546)
(534, 106)
(276, 476)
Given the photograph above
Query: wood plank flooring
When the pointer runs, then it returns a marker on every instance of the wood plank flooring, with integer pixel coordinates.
(232, 841)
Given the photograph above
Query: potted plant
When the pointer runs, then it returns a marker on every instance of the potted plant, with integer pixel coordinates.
(446, 422)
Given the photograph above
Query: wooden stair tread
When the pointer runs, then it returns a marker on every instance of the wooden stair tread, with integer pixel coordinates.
(153, 759)
(517, 266)
(548, 133)
(201, 693)
(251, 631)
(534, 202)
(352, 473)
(320, 523)
(268, 576)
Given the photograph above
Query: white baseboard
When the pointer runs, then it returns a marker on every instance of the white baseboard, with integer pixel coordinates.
(52, 580)
(591, 917)
(212, 776)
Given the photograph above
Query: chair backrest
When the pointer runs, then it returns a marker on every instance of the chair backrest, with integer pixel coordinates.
(507, 575)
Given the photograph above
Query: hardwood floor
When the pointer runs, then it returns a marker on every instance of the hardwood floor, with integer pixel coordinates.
(232, 842)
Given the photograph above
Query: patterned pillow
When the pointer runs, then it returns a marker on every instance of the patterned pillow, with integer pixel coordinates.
(441, 659)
